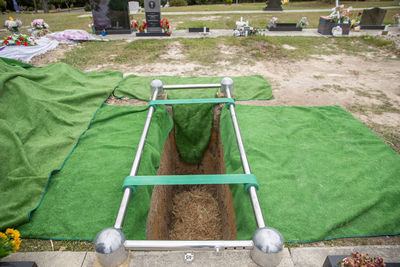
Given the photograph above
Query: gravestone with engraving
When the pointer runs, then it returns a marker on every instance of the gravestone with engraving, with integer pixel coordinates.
(372, 18)
(133, 7)
(153, 18)
(273, 5)
(111, 16)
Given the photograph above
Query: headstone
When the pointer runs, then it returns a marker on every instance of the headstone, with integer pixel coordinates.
(153, 15)
(372, 17)
(153, 19)
(111, 16)
(273, 5)
(133, 7)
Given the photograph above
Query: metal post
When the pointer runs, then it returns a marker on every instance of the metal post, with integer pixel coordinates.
(227, 85)
(188, 244)
(156, 86)
(191, 86)
(268, 242)
(109, 243)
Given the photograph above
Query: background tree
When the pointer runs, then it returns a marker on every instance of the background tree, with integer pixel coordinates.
(35, 6)
(45, 6)
(3, 5)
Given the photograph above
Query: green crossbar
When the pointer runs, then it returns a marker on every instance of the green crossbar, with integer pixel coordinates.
(228, 101)
(246, 179)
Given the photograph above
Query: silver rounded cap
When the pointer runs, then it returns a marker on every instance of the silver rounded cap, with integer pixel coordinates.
(156, 84)
(227, 83)
(109, 246)
(109, 240)
(268, 240)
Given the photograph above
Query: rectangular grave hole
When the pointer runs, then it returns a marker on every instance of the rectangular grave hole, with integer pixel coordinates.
(192, 212)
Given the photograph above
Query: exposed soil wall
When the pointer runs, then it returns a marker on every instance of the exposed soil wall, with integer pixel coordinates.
(192, 212)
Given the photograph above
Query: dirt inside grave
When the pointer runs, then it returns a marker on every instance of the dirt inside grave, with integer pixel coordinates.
(192, 212)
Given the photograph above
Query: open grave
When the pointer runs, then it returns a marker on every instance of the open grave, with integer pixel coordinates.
(192, 212)
(267, 243)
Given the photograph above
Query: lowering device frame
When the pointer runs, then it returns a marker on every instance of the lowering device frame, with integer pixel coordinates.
(267, 243)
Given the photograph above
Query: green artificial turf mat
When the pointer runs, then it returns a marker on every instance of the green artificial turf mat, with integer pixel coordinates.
(43, 111)
(322, 174)
(84, 197)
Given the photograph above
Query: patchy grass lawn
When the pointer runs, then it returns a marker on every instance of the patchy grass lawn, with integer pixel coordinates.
(208, 51)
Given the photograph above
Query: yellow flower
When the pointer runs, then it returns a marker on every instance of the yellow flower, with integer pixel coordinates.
(13, 233)
(2, 237)
(10, 18)
(16, 243)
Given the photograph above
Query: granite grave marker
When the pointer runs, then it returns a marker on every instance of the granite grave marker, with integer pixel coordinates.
(273, 5)
(152, 9)
(112, 16)
(372, 18)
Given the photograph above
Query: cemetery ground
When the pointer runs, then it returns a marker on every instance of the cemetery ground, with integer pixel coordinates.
(360, 74)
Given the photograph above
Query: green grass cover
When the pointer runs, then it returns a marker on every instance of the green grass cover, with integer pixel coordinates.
(84, 197)
(322, 173)
(245, 87)
(43, 111)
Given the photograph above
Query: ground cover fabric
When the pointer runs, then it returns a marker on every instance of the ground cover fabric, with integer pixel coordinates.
(43, 111)
(84, 197)
(193, 123)
(193, 127)
(322, 174)
(245, 87)
(26, 53)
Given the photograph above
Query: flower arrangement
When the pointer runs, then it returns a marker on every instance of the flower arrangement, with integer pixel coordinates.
(91, 26)
(303, 22)
(39, 24)
(272, 22)
(13, 25)
(39, 27)
(134, 24)
(340, 14)
(142, 27)
(355, 20)
(284, 2)
(360, 260)
(19, 39)
(9, 242)
(164, 24)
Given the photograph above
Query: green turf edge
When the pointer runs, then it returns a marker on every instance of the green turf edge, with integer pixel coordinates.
(69, 154)
(14, 62)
